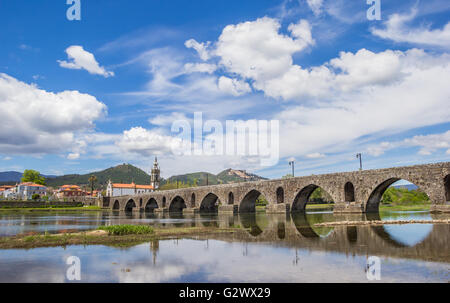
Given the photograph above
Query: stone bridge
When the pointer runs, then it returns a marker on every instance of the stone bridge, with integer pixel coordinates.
(352, 192)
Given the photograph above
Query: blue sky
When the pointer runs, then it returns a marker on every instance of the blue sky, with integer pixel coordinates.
(78, 96)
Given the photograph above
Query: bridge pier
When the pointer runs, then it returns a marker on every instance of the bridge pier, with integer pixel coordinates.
(348, 208)
(193, 210)
(161, 210)
(228, 209)
(280, 208)
(440, 208)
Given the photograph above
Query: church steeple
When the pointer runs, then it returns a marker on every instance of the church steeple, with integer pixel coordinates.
(155, 177)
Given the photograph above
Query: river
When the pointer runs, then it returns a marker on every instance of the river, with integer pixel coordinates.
(270, 248)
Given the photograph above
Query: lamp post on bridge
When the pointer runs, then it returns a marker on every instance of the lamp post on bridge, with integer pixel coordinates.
(291, 164)
(359, 156)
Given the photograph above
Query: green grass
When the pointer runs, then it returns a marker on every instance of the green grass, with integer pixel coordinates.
(411, 207)
(126, 229)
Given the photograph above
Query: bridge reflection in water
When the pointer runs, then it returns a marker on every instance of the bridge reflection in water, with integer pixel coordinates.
(297, 230)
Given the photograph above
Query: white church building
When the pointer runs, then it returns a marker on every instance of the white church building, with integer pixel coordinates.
(121, 189)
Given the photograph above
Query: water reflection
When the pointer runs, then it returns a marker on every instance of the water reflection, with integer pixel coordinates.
(190, 261)
(270, 248)
(296, 229)
(257, 225)
(304, 222)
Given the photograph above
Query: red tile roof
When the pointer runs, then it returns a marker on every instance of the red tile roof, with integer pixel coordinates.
(132, 185)
(31, 184)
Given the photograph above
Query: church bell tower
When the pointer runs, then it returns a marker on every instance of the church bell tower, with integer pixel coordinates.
(154, 177)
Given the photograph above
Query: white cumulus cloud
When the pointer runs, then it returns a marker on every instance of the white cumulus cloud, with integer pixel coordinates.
(315, 6)
(234, 87)
(200, 48)
(147, 142)
(81, 59)
(36, 121)
(396, 28)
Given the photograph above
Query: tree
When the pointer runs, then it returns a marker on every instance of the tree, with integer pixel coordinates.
(34, 176)
(92, 180)
(35, 197)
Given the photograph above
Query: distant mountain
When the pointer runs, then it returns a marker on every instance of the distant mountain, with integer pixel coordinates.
(125, 173)
(234, 175)
(10, 176)
(407, 186)
(14, 176)
(224, 177)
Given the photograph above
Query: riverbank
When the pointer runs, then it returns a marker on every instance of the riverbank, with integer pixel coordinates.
(51, 208)
(103, 237)
(412, 207)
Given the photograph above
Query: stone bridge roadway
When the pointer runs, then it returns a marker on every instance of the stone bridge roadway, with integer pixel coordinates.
(352, 192)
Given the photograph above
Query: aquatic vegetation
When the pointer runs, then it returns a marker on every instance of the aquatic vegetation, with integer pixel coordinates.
(127, 229)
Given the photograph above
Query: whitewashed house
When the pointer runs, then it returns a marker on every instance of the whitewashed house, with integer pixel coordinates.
(120, 189)
(6, 191)
(25, 191)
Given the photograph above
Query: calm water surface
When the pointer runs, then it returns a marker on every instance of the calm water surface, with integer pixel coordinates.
(270, 248)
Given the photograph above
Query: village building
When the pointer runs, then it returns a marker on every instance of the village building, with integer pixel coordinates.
(68, 191)
(26, 190)
(121, 189)
(6, 191)
(95, 193)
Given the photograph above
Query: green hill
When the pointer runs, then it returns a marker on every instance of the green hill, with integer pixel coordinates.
(224, 177)
(125, 173)
(199, 178)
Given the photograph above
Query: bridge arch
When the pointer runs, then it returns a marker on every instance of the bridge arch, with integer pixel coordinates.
(248, 203)
(130, 205)
(164, 203)
(447, 187)
(140, 202)
(230, 198)
(280, 195)
(349, 192)
(151, 205)
(303, 196)
(210, 203)
(373, 202)
(193, 200)
(116, 205)
(177, 204)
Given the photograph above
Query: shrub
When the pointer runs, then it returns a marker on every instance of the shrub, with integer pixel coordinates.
(127, 229)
